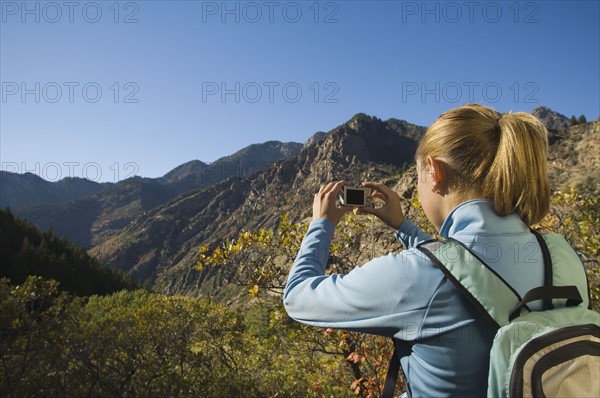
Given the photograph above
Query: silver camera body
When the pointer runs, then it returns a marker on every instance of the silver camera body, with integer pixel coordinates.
(355, 196)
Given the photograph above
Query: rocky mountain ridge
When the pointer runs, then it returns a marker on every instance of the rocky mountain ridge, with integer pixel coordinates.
(91, 219)
(28, 189)
(553, 121)
(160, 246)
(574, 156)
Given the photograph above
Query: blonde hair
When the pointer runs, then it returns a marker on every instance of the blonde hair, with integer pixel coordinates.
(500, 157)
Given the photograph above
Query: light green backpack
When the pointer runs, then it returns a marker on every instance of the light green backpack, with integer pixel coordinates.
(549, 353)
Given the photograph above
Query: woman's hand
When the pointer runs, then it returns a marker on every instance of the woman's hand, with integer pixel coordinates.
(325, 203)
(391, 212)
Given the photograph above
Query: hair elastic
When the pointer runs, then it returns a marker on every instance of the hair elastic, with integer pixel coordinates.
(498, 129)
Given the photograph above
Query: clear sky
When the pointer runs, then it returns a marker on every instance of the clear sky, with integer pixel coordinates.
(107, 89)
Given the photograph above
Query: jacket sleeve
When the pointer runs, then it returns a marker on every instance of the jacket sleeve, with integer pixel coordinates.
(388, 295)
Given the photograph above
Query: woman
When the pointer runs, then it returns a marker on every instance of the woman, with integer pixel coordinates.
(482, 181)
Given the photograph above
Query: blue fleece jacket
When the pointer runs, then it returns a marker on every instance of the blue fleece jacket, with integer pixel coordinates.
(406, 297)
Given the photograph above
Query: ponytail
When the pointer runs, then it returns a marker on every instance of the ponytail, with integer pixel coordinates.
(499, 157)
(518, 178)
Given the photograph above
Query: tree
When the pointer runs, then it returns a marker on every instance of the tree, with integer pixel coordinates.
(266, 256)
(573, 121)
(143, 344)
(581, 119)
(31, 344)
(575, 214)
(26, 251)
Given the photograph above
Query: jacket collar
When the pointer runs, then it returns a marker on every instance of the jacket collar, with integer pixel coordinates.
(476, 217)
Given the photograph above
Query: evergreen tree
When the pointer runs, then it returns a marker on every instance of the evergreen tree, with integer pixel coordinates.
(581, 119)
(26, 251)
(573, 121)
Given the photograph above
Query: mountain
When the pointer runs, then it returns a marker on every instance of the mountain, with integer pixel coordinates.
(553, 121)
(574, 153)
(247, 161)
(23, 190)
(184, 171)
(574, 156)
(90, 220)
(160, 247)
(316, 137)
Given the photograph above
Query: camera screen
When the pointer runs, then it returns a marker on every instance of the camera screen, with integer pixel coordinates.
(355, 197)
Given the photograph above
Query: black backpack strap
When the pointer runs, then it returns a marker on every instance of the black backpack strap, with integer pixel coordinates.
(400, 351)
(548, 293)
(547, 303)
(564, 267)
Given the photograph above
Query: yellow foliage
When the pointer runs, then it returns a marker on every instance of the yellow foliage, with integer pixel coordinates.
(253, 291)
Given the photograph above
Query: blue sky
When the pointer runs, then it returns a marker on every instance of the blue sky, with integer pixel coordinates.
(106, 89)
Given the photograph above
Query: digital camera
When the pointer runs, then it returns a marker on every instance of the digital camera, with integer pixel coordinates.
(355, 196)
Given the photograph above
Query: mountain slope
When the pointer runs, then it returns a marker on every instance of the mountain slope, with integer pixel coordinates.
(92, 219)
(27, 251)
(184, 171)
(575, 156)
(245, 162)
(160, 247)
(553, 121)
(23, 190)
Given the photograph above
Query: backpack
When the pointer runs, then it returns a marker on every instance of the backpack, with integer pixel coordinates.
(550, 353)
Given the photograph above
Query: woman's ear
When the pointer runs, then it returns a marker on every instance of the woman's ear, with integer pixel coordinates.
(439, 175)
